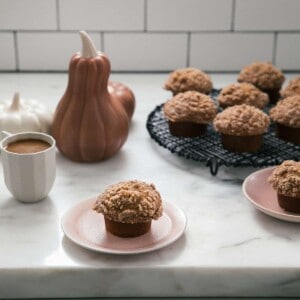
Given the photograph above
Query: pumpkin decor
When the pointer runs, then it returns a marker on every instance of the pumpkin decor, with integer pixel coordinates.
(91, 121)
(21, 115)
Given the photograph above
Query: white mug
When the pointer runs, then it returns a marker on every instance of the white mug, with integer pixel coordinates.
(29, 176)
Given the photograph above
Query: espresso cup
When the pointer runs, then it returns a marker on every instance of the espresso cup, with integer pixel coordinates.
(28, 176)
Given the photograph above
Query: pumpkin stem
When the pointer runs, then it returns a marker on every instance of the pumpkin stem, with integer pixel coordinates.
(16, 104)
(88, 47)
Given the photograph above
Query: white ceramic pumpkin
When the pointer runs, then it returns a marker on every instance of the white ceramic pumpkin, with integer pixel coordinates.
(21, 115)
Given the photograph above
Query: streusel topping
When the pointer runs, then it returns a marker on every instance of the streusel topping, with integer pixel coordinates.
(242, 120)
(265, 76)
(285, 179)
(242, 93)
(188, 79)
(287, 112)
(292, 89)
(130, 202)
(190, 106)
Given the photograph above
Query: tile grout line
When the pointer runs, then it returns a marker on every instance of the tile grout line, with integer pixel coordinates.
(16, 51)
(102, 41)
(275, 47)
(188, 49)
(232, 15)
(145, 15)
(57, 15)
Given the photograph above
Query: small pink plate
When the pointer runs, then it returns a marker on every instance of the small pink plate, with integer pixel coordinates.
(86, 228)
(262, 195)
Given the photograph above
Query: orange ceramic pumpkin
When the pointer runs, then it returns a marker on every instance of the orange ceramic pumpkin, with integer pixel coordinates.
(91, 121)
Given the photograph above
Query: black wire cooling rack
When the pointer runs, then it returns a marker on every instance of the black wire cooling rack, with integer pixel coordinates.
(208, 148)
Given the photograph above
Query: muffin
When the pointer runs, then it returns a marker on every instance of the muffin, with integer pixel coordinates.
(129, 208)
(264, 76)
(285, 179)
(292, 89)
(286, 115)
(242, 93)
(189, 113)
(242, 127)
(188, 79)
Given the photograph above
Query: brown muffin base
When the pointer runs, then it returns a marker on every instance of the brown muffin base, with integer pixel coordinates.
(241, 143)
(274, 95)
(187, 129)
(127, 229)
(288, 134)
(291, 204)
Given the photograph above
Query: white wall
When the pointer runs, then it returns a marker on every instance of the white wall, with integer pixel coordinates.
(151, 35)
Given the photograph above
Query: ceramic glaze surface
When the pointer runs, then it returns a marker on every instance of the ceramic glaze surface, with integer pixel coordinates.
(229, 248)
(91, 121)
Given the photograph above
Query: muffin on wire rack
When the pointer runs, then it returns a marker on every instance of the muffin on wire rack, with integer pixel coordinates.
(285, 179)
(264, 76)
(189, 113)
(242, 128)
(286, 115)
(292, 88)
(188, 79)
(129, 208)
(242, 93)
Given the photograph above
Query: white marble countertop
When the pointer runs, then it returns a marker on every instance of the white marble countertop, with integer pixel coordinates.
(228, 249)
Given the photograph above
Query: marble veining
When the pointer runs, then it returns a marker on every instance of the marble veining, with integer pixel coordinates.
(229, 249)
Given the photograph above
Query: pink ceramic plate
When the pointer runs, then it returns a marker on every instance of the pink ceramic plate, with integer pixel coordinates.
(262, 195)
(86, 228)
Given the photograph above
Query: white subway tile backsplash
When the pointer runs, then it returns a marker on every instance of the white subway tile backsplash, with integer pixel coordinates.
(288, 51)
(49, 51)
(102, 14)
(229, 51)
(28, 14)
(7, 57)
(151, 35)
(146, 51)
(191, 15)
(267, 15)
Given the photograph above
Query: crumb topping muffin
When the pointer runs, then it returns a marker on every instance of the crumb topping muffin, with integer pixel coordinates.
(190, 106)
(285, 179)
(265, 76)
(130, 202)
(292, 89)
(287, 112)
(242, 93)
(188, 79)
(242, 120)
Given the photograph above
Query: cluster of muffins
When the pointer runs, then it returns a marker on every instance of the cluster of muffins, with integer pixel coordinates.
(190, 109)
(242, 122)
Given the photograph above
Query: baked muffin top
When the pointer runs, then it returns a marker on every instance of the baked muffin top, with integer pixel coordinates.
(265, 76)
(188, 79)
(190, 106)
(292, 89)
(242, 120)
(242, 93)
(285, 179)
(130, 202)
(287, 112)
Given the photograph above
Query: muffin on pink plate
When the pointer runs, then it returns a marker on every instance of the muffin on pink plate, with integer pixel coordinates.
(129, 207)
(285, 180)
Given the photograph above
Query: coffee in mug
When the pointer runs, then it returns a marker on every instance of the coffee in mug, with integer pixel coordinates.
(27, 146)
